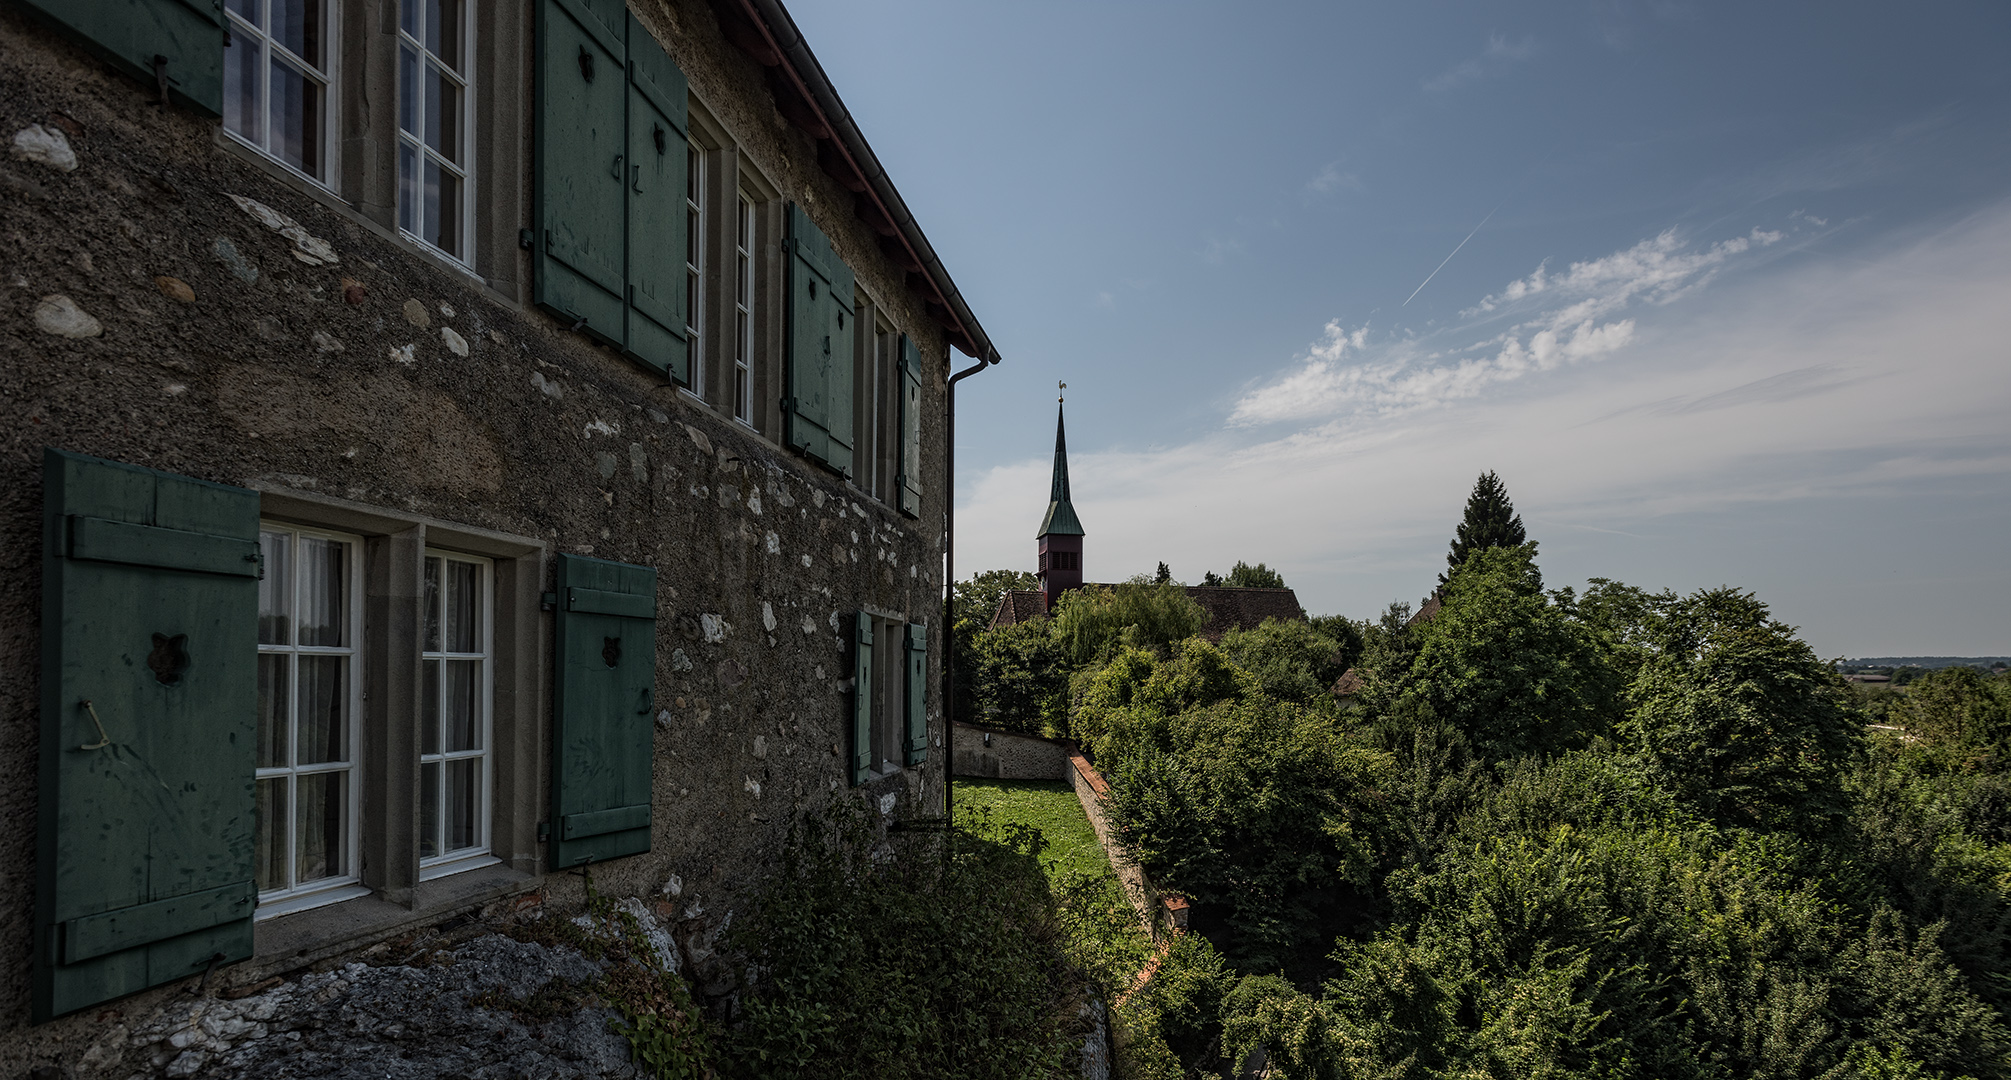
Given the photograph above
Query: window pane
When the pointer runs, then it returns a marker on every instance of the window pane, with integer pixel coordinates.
(273, 729)
(408, 88)
(323, 592)
(432, 605)
(464, 705)
(324, 708)
(441, 202)
(270, 845)
(408, 16)
(248, 9)
(275, 589)
(443, 31)
(464, 781)
(408, 188)
(324, 819)
(296, 24)
(464, 617)
(443, 115)
(296, 118)
(429, 810)
(429, 711)
(241, 100)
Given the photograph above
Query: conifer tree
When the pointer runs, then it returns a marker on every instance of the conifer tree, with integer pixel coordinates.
(1491, 521)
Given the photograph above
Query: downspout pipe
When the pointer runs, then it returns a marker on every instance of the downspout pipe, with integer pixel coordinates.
(950, 587)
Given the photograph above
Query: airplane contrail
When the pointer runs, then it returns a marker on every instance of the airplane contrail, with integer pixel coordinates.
(1448, 258)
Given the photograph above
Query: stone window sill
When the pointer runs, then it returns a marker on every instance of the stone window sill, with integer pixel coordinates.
(290, 942)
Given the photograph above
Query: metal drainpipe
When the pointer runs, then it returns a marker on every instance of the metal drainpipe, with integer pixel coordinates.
(950, 588)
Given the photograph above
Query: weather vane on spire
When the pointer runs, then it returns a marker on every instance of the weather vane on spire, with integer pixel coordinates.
(1062, 386)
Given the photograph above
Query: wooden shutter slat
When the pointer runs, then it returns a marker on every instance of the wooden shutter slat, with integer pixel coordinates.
(908, 475)
(818, 317)
(114, 931)
(594, 823)
(862, 697)
(917, 745)
(103, 540)
(602, 602)
(130, 33)
(581, 165)
(133, 833)
(603, 738)
(658, 174)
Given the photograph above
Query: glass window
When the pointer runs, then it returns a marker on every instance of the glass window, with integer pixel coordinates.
(434, 111)
(276, 75)
(454, 735)
(743, 312)
(309, 690)
(694, 266)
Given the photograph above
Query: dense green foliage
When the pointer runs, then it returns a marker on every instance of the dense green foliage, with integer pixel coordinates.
(1603, 834)
(972, 605)
(1490, 521)
(1093, 622)
(898, 958)
(1244, 576)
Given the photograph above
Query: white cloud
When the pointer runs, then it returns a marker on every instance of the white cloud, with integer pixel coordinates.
(1412, 373)
(1861, 378)
(1493, 59)
(1332, 178)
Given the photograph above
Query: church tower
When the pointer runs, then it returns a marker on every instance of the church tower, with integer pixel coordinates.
(1060, 531)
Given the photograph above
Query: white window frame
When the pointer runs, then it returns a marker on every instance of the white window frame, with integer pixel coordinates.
(329, 890)
(417, 140)
(743, 307)
(480, 854)
(242, 32)
(697, 217)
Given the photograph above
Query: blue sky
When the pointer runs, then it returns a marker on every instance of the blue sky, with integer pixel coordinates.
(1740, 311)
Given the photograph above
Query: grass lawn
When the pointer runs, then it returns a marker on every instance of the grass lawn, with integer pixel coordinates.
(1047, 805)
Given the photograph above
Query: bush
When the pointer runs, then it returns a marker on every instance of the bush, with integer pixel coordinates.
(921, 955)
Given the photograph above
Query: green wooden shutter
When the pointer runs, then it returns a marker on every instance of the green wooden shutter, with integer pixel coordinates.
(817, 410)
(862, 697)
(658, 168)
(149, 679)
(581, 165)
(184, 36)
(917, 744)
(604, 699)
(909, 474)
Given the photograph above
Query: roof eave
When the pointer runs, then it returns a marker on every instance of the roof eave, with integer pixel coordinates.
(792, 54)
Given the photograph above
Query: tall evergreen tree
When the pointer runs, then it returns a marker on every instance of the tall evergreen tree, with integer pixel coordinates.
(1491, 521)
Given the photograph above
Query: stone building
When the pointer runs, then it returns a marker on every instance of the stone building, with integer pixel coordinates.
(448, 448)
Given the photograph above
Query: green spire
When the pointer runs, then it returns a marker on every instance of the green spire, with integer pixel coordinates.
(1060, 519)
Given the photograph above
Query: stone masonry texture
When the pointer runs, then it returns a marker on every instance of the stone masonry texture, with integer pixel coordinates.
(168, 302)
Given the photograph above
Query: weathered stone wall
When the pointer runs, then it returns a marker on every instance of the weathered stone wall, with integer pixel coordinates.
(1008, 755)
(148, 314)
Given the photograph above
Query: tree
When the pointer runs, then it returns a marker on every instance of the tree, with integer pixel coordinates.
(1292, 660)
(976, 600)
(1092, 622)
(1245, 576)
(1739, 718)
(1164, 576)
(972, 605)
(1491, 521)
(1020, 680)
(1506, 667)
